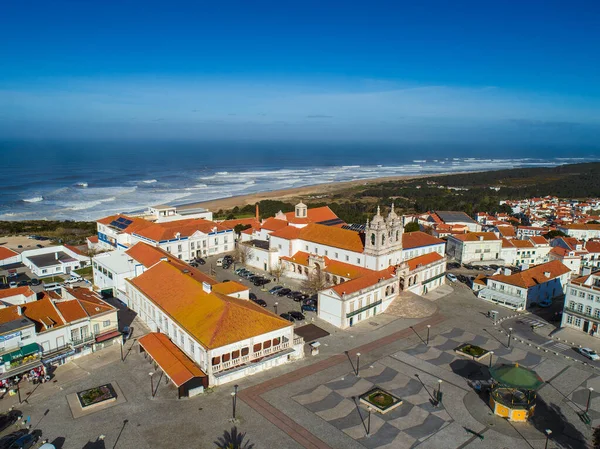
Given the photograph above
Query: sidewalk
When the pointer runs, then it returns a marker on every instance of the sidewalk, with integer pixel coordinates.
(570, 336)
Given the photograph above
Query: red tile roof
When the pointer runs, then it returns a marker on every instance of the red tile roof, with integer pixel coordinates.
(423, 260)
(170, 229)
(175, 364)
(418, 239)
(273, 224)
(6, 253)
(7, 293)
(77, 250)
(476, 236)
(362, 282)
(534, 276)
(325, 235)
(522, 243)
(92, 239)
(334, 267)
(593, 246)
(314, 215)
(538, 240)
(506, 231)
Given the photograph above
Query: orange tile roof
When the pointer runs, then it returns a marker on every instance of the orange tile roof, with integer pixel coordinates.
(213, 319)
(8, 314)
(475, 236)
(7, 293)
(325, 235)
(92, 239)
(149, 255)
(538, 240)
(334, 267)
(175, 364)
(418, 239)
(273, 224)
(6, 253)
(77, 250)
(90, 301)
(227, 288)
(43, 313)
(362, 282)
(288, 233)
(71, 310)
(507, 243)
(522, 243)
(583, 227)
(534, 276)
(137, 223)
(423, 260)
(169, 229)
(593, 246)
(313, 215)
(506, 231)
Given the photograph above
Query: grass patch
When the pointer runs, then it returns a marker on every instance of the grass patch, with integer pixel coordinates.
(472, 350)
(86, 272)
(52, 279)
(381, 399)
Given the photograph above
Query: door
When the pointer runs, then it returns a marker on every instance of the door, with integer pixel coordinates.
(351, 321)
(45, 346)
(265, 266)
(68, 270)
(60, 341)
(586, 326)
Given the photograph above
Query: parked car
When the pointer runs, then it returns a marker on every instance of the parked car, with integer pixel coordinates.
(451, 277)
(3, 286)
(252, 296)
(292, 294)
(200, 260)
(241, 271)
(247, 274)
(260, 302)
(486, 268)
(260, 282)
(25, 442)
(220, 262)
(462, 278)
(12, 284)
(8, 419)
(226, 265)
(194, 264)
(228, 259)
(275, 289)
(7, 440)
(309, 302)
(545, 303)
(22, 284)
(283, 292)
(287, 316)
(589, 353)
(308, 308)
(297, 315)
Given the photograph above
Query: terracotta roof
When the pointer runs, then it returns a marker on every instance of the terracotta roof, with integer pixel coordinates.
(288, 233)
(418, 239)
(7, 293)
(77, 250)
(538, 240)
(71, 310)
(175, 364)
(534, 276)
(522, 244)
(476, 236)
(506, 231)
(90, 301)
(593, 246)
(325, 235)
(313, 215)
(92, 239)
(8, 314)
(507, 243)
(583, 227)
(213, 319)
(43, 313)
(362, 282)
(559, 251)
(481, 279)
(334, 267)
(6, 253)
(273, 224)
(137, 223)
(169, 229)
(149, 255)
(423, 260)
(227, 288)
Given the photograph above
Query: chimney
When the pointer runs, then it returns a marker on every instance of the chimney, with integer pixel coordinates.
(56, 256)
(507, 272)
(547, 274)
(257, 214)
(481, 238)
(206, 287)
(19, 310)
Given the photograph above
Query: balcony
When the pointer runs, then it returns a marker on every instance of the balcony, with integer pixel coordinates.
(83, 341)
(582, 314)
(243, 360)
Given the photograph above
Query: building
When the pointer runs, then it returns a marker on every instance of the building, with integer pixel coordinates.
(584, 231)
(528, 287)
(582, 304)
(455, 218)
(8, 256)
(18, 295)
(54, 260)
(524, 232)
(570, 251)
(165, 212)
(474, 247)
(227, 338)
(591, 259)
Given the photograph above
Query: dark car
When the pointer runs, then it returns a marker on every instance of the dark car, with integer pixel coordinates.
(283, 292)
(24, 442)
(494, 267)
(261, 282)
(260, 302)
(22, 283)
(287, 316)
(252, 296)
(226, 266)
(228, 259)
(309, 302)
(7, 440)
(292, 294)
(3, 286)
(39, 246)
(201, 261)
(275, 289)
(308, 308)
(8, 419)
(297, 315)
(194, 264)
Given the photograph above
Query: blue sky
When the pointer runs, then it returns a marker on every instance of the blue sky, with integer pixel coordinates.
(514, 71)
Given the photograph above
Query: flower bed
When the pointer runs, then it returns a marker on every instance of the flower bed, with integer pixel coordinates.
(471, 351)
(380, 400)
(96, 395)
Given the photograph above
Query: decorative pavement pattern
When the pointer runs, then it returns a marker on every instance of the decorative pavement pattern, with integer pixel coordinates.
(404, 427)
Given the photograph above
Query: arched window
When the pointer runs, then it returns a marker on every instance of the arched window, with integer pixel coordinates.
(397, 235)
(373, 239)
(383, 239)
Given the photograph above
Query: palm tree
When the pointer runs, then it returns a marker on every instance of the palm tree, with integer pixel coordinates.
(233, 440)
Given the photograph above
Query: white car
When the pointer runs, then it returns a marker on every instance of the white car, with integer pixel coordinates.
(589, 353)
(451, 277)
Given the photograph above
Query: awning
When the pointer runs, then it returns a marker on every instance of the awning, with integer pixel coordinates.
(107, 336)
(32, 348)
(175, 364)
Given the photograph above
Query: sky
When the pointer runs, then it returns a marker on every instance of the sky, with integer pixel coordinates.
(520, 72)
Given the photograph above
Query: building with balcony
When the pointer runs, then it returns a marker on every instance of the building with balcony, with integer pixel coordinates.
(226, 337)
(582, 304)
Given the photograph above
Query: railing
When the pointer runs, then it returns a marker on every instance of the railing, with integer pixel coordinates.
(247, 359)
(362, 309)
(82, 341)
(298, 341)
(582, 313)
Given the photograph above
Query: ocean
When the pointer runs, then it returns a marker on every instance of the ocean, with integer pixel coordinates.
(88, 180)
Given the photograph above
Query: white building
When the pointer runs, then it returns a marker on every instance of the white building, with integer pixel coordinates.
(582, 304)
(8, 256)
(521, 290)
(53, 260)
(581, 231)
(226, 337)
(474, 247)
(17, 296)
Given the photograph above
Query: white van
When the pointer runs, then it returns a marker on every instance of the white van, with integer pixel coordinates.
(220, 262)
(53, 286)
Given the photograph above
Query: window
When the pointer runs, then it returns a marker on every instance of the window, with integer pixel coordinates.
(337, 256)
(347, 258)
(44, 271)
(279, 246)
(110, 275)
(306, 247)
(597, 313)
(225, 248)
(582, 294)
(316, 250)
(192, 347)
(571, 304)
(216, 240)
(179, 248)
(96, 328)
(580, 307)
(588, 310)
(192, 245)
(203, 243)
(578, 322)
(570, 319)
(182, 339)
(168, 249)
(106, 323)
(245, 351)
(358, 260)
(326, 252)
(224, 239)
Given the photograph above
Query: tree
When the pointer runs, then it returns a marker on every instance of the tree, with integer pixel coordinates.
(553, 234)
(315, 281)
(233, 439)
(238, 228)
(412, 227)
(593, 222)
(278, 270)
(242, 253)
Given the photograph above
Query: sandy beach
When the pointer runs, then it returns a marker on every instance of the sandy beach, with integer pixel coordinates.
(317, 192)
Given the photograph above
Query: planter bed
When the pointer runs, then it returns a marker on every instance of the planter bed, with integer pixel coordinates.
(472, 352)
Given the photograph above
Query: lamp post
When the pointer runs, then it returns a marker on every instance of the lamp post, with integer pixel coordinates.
(491, 357)
(357, 362)
(439, 393)
(151, 383)
(548, 433)
(234, 400)
(509, 336)
(122, 359)
(369, 422)
(275, 305)
(428, 327)
(587, 407)
(19, 392)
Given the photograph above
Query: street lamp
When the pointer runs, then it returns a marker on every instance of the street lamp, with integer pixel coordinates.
(587, 407)
(439, 395)
(151, 383)
(428, 327)
(369, 422)
(233, 398)
(491, 357)
(276, 304)
(509, 336)
(548, 433)
(357, 362)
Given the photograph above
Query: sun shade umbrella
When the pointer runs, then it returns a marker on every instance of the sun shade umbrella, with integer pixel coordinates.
(515, 376)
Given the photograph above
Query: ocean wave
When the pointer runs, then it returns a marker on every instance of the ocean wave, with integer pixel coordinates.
(149, 181)
(222, 173)
(81, 184)
(35, 199)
